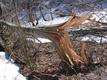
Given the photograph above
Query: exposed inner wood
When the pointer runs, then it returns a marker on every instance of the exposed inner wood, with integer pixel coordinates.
(84, 52)
(61, 37)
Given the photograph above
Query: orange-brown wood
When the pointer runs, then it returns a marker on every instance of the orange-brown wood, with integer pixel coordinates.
(84, 52)
(73, 21)
(64, 42)
(67, 45)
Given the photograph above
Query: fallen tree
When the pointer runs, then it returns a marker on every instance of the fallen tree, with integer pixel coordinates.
(58, 34)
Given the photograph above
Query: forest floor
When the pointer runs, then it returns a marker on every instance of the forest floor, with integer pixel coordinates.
(49, 66)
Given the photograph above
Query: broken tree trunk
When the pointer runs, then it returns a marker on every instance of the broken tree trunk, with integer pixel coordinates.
(59, 35)
(66, 50)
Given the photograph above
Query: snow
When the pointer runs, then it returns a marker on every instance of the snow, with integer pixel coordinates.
(90, 38)
(8, 70)
(93, 38)
(100, 16)
(52, 23)
(40, 40)
(41, 23)
(24, 20)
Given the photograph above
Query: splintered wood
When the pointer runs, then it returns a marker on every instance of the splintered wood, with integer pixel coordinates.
(60, 36)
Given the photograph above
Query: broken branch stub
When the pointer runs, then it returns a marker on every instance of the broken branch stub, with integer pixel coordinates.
(61, 37)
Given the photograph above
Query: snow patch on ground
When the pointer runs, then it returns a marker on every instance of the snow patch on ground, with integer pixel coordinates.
(40, 40)
(8, 70)
(100, 16)
(93, 38)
